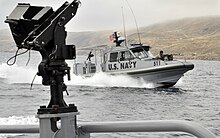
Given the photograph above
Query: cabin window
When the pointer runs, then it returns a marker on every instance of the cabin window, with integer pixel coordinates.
(140, 52)
(84, 70)
(114, 57)
(105, 58)
(125, 55)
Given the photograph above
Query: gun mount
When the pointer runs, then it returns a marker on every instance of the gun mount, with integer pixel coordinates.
(43, 30)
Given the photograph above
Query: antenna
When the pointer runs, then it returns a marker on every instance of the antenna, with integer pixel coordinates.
(134, 21)
(124, 26)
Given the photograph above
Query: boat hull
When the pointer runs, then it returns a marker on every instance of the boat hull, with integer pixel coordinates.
(161, 76)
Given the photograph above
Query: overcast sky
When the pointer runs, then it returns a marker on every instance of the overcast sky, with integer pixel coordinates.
(107, 14)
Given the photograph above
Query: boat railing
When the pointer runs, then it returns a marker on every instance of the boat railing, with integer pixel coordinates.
(85, 129)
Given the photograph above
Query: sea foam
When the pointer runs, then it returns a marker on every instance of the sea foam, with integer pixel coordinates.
(19, 120)
(23, 74)
(18, 74)
(103, 80)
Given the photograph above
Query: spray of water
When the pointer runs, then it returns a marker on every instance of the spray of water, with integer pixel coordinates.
(103, 80)
(18, 74)
(19, 120)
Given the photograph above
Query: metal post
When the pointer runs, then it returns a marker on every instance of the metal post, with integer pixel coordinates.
(67, 129)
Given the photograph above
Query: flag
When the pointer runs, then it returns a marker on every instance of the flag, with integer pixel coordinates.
(112, 37)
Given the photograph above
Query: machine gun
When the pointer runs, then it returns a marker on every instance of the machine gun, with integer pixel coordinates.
(42, 29)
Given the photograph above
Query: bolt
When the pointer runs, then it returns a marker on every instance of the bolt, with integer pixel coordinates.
(60, 24)
(42, 107)
(63, 18)
(71, 105)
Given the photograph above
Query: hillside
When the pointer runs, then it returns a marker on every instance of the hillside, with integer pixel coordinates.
(193, 38)
(190, 38)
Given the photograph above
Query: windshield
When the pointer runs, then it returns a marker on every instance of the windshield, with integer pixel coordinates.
(141, 52)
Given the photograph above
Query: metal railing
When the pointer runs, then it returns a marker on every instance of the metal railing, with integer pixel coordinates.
(19, 129)
(84, 129)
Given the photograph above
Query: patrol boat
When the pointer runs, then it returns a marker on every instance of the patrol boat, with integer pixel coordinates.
(137, 61)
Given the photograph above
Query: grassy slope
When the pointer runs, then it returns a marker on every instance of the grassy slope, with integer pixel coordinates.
(191, 38)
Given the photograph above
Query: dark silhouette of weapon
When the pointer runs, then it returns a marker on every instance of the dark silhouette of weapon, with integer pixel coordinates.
(43, 30)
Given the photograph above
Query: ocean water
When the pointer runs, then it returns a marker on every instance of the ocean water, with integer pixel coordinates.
(196, 97)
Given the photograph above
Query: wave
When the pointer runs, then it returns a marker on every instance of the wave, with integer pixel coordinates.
(19, 120)
(11, 135)
(19, 74)
(103, 80)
